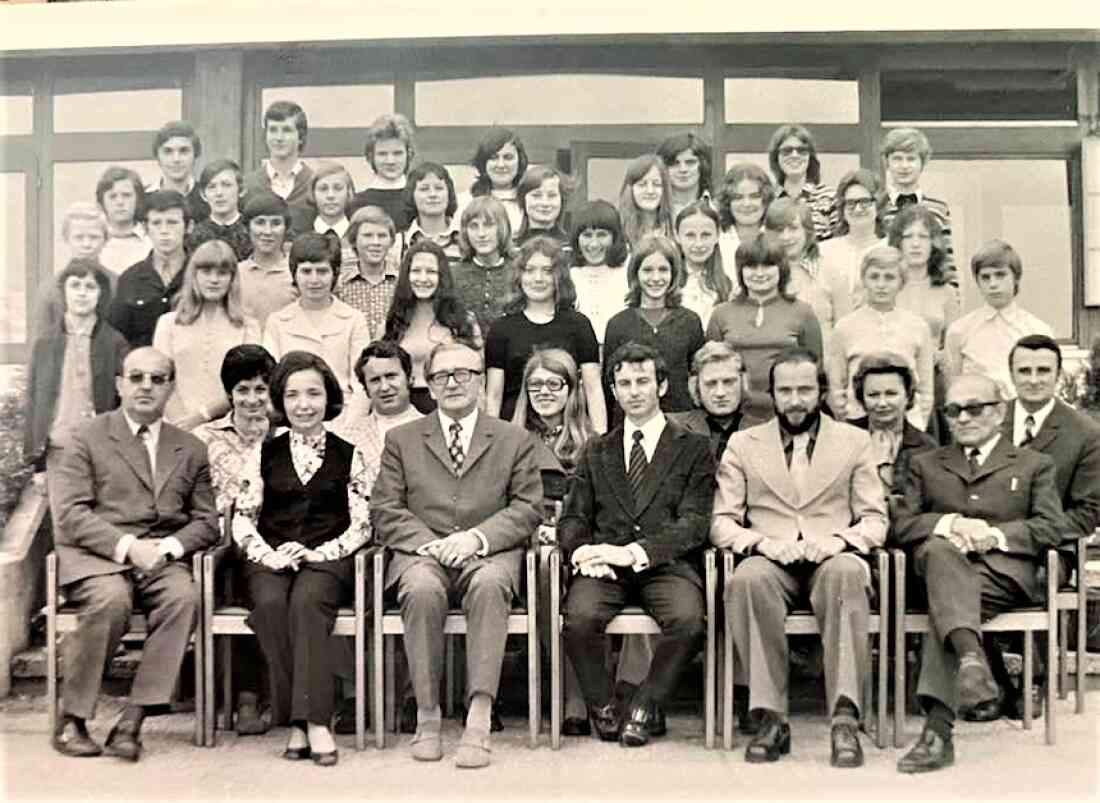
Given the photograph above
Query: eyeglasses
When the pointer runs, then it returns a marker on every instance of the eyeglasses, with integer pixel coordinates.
(155, 377)
(852, 204)
(461, 376)
(974, 410)
(752, 196)
(553, 384)
(794, 150)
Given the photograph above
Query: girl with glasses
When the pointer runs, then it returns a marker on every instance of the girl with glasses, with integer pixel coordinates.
(207, 322)
(541, 313)
(741, 202)
(860, 202)
(792, 157)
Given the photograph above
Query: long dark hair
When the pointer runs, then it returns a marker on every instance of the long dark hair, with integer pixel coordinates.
(446, 305)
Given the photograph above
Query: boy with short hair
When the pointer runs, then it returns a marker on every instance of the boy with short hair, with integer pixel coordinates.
(980, 342)
(221, 184)
(176, 147)
(84, 230)
(147, 289)
(389, 150)
(369, 284)
(283, 172)
(121, 196)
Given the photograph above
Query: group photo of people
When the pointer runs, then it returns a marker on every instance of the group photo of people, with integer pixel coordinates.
(772, 363)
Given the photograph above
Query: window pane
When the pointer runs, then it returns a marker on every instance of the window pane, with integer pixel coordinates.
(129, 110)
(833, 165)
(1026, 203)
(1036, 95)
(560, 100)
(778, 100)
(16, 115)
(604, 177)
(463, 176)
(13, 252)
(337, 106)
(75, 181)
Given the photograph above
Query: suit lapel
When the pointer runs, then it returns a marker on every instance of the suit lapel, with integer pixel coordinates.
(480, 442)
(615, 468)
(433, 439)
(953, 460)
(830, 456)
(1000, 457)
(169, 456)
(668, 450)
(130, 448)
(771, 462)
(1049, 431)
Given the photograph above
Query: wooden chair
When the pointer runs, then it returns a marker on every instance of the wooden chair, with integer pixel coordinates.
(803, 622)
(1073, 597)
(1028, 620)
(66, 619)
(633, 620)
(221, 617)
(388, 623)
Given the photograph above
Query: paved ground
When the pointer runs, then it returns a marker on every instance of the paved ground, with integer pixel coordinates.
(995, 761)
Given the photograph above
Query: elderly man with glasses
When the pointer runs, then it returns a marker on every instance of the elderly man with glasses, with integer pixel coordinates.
(457, 497)
(976, 517)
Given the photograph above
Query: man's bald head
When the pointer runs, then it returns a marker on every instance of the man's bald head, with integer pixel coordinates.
(146, 384)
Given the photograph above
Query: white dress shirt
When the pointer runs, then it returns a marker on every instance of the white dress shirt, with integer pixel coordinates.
(170, 546)
(946, 522)
(1019, 420)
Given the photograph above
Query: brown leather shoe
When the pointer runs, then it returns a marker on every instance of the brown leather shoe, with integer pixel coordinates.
(974, 683)
(72, 739)
(931, 752)
(846, 750)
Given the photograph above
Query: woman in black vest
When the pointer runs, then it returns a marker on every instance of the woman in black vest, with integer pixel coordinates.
(302, 511)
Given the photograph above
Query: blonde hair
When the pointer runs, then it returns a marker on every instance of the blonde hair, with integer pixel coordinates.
(83, 212)
(211, 254)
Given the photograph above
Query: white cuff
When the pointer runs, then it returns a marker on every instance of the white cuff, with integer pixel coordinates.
(122, 548)
(1002, 540)
(944, 525)
(171, 546)
(481, 553)
(641, 559)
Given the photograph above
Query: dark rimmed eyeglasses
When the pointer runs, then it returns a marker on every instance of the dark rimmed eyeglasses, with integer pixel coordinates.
(154, 377)
(794, 150)
(553, 384)
(852, 204)
(461, 376)
(973, 410)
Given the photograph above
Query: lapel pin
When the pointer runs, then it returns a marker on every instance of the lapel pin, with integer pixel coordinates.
(1015, 484)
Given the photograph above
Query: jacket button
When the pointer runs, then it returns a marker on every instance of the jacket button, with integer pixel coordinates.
(637, 528)
(974, 497)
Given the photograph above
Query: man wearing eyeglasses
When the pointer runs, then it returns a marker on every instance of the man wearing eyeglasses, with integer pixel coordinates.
(131, 500)
(976, 517)
(458, 495)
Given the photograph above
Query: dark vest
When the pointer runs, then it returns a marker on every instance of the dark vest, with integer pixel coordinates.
(310, 514)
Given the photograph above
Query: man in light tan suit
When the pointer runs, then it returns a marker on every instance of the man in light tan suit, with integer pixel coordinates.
(800, 500)
(457, 497)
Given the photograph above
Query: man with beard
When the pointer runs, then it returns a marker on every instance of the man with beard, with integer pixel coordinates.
(799, 498)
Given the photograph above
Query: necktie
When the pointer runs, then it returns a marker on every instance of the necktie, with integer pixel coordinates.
(1029, 431)
(457, 456)
(638, 463)
(800, 463)
(972, 459)
(906, 199)
(145, 438)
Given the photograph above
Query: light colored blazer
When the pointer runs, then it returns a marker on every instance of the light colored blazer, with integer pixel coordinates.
(757, 499)
(100, 490)
(418, 498)
(338, 339)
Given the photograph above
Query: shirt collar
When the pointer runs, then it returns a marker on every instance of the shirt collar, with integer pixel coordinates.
(788, 438)
(651, 430)
(154, 428)
(1039, 415)
(468, 423)
(1009, 313)
(79, 326)
(315, 443)
(340, 226)
(159, 185)
(387, 422)
(504, 195)
(453, 227)
(136, 232)
(272, 173)
(985, 450)
(894, 192)
(234, 221)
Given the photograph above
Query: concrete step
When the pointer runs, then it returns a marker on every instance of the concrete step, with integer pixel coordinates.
(31, 664)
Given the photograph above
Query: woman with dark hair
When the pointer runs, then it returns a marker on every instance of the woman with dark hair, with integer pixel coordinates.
(792, 157)
(196, 335)
(655, 317)
(501, 161)
(543, 195)
(599, 250)
(688, 159)
(742, 200)
(813, 280)
(704, 280)
(645, 205)
(540, 314)
(302, 511)
(430, 206)
(764, 317)
(860, 203)
(266, 284)
(553, 406)
(121, 195)
(73, 365)
(425, 312)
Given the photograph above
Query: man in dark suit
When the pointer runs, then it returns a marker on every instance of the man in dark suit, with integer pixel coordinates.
(718, 385)
(457, 497)
(1038, 420)
(131, 500)
(636, 509)
(976, 517)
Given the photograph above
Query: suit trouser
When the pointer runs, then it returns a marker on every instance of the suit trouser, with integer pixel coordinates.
(168, 598)
(675, 601)
(292, 616)
(757, 600)
(962, 592)
(485, 590)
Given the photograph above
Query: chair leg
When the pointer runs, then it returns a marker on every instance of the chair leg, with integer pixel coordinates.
(391, 702)
(449, 680)
(709, 685)
(378, 710)
(727, 689)
(1029, 675)
(227, 686)
(901, 657)
(51, 668)
(1063, 649)
(555, 650)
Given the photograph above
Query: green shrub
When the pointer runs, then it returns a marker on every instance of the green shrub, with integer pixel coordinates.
(14, 473)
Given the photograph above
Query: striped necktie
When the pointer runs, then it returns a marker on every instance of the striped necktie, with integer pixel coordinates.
(638, 463)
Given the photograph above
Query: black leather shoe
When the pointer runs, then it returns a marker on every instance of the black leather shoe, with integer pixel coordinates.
(325, 759)
(123, 742)
(657, 725)
(974, 683)
(846, 750)
(296, 753)
(986, 711)
(343, 721)
(1012, 707)
(770, 742)
(576, 726)
(606, 721)
(931, 752)
(748, 722)
(72, 739)
(253, 719)
(637, 729)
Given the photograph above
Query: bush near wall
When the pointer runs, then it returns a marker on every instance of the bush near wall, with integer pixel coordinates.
(14, 473)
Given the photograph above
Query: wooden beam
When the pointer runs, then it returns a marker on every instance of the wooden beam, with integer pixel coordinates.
(216, 103)
(870, 116)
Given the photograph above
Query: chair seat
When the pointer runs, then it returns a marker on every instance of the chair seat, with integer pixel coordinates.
(454, 624)
(68, 619)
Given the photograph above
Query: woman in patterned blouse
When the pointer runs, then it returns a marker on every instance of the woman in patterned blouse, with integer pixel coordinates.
(302, 511)
(792, 157)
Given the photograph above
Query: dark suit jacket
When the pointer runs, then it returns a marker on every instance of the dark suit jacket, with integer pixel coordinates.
(300, 200)
(696, 421)
(417, 498)
(913, 441)
(1014, 490)
(672, 515)
(100, 490)
(1072, 441)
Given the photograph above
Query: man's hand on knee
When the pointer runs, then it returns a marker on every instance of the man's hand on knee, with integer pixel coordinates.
(146, 556)
(819, 550)
(781, 552)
